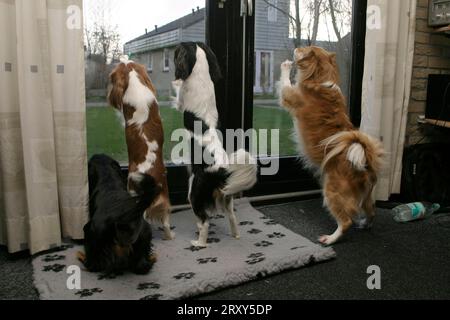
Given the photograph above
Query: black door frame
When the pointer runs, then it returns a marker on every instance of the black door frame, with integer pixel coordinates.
(224, 34)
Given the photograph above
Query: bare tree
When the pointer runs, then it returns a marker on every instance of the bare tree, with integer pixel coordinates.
(315, 12)
(101, 37)
(102, 42)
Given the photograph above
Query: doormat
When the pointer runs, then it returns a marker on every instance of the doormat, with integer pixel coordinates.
(182, 271)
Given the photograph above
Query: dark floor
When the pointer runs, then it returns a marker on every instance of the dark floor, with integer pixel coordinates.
(414, 259)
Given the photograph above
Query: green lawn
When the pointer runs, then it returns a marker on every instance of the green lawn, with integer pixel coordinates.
(106, 134)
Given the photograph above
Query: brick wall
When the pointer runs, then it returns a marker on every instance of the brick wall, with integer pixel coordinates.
(431, 56)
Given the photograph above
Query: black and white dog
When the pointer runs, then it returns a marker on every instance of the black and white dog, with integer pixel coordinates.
(117, 237)
(216, 176)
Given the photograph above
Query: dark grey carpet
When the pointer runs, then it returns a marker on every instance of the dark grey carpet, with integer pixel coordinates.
(414, 259)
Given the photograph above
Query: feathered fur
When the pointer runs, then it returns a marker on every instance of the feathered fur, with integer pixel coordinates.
(346, 160)
(212, 185)
(117, 237)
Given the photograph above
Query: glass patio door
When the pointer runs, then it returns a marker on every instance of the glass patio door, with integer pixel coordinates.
(271, 30)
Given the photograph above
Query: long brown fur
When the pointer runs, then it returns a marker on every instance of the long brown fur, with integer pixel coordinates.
(137, 147)
(318, 107)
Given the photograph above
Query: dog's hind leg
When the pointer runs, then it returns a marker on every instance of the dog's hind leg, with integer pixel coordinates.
(229, 208)
(140, 261)
(342, 211)
(368, 206)
(203, 228)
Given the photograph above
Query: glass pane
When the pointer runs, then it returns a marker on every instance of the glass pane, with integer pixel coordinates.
(148, 34)
(296, 23)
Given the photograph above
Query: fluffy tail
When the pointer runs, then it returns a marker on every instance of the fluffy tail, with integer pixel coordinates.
(361, 150)
(243, 172)
(145, 191)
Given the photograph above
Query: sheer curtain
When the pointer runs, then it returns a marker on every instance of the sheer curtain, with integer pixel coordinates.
(43, 157)
(387, 83)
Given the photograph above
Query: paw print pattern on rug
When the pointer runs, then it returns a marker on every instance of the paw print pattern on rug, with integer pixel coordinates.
(296, 248)
(88, 292)
(152, 297)
(148, 285)
(210, 233)
(254, 231)
(264, 244)
(194, 249)
(213, 240)
(207, 260)
(54, 267)
(212, 224)
(187, 276)
(270, 223)
(255, 258)
(216, 217)
(106, 276)
(246, 223)
(276, 235)
(53, 257)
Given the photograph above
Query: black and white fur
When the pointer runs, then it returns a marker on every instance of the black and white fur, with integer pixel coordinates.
(212, 185)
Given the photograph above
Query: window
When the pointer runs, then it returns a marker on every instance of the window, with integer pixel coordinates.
(166, 60)
(264, 72)
(272, 10)
(150, 62)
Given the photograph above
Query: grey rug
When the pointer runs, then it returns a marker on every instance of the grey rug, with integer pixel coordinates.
(265, 248)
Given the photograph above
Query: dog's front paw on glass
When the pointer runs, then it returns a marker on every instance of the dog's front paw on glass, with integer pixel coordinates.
(198, 244)
(327, 240)
(287, 65)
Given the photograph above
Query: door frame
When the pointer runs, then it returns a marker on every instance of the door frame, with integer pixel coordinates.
(224, 35)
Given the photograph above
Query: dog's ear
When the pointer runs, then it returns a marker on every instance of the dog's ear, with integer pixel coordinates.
(185, 59)
(214, 68)
(118, 85)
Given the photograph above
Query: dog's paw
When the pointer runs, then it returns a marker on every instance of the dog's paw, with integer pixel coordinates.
(363, 224)
(177, 84)
(170, 236)
(198, 244)
(327, 240)
(81, 256)
(287, 65)
(237, 236)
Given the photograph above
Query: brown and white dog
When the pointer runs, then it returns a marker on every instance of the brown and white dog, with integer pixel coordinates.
(346, 160)
(133, 93)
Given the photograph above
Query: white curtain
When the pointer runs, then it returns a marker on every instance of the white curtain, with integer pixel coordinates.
(387, 83)
(43, 161)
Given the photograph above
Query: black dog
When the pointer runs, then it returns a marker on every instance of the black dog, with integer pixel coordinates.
(117, 237)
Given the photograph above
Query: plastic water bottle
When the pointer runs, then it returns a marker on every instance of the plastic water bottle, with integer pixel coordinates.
(414, 211)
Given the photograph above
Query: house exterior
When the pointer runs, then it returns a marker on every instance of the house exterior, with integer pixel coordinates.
(273, 45)
(155, 49)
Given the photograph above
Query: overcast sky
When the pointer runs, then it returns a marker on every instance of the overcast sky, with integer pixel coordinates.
(133, 16)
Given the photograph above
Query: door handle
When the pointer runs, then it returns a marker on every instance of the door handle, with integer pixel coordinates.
(246, 8)
(250, 8)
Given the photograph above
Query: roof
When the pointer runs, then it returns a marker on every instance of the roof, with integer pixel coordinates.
(183, 22)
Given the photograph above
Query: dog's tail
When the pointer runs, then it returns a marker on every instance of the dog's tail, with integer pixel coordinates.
(242, 171)
(360, 149)
(145, 191)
